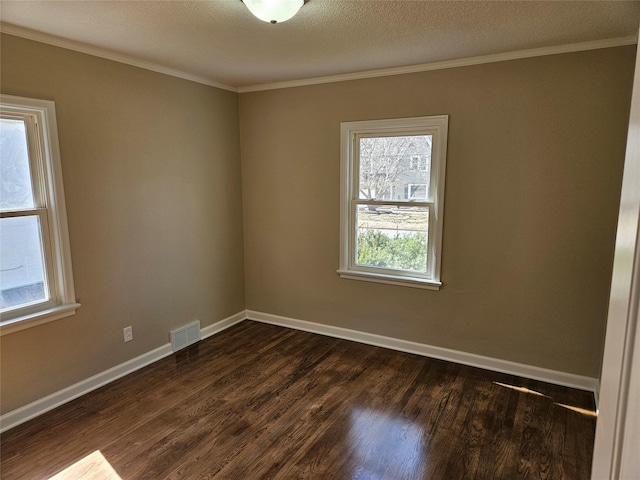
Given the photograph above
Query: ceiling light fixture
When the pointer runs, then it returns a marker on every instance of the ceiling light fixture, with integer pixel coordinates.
(274, 11)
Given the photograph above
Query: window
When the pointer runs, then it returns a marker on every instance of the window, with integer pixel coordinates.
(418, 162)
(417, 192)
(396, 240)
(36, 283)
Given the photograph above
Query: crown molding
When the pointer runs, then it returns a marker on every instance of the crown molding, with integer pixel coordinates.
(383, 72)
(460, 62)
(56, 41)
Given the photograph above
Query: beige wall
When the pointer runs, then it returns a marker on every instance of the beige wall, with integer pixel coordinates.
(155, 203)
(152, 179)
(535, 157)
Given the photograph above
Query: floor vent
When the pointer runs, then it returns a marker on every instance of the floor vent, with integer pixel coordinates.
(185, 336)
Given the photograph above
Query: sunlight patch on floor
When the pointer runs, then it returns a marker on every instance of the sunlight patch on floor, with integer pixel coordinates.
(92, 467)
(583, 411)
(522, 389)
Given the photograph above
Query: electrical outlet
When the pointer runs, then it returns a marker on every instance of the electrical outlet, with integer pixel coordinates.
(128, 333)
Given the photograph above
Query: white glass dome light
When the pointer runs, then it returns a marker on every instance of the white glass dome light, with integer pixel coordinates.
(274, 11)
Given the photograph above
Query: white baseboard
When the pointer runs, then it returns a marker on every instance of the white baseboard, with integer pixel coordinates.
(23, 414)
(223, 324)
(470, 359)
(34, 409)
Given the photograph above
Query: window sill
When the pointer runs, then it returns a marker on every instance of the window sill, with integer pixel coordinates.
(390, 279)
(37, 318)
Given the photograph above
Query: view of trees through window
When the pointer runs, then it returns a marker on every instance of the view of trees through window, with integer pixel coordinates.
(394, 169)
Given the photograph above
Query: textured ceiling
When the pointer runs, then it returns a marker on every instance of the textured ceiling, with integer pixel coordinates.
(221, 41)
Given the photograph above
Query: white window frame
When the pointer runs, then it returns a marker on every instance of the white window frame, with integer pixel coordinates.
(437, 127)
(46, 177)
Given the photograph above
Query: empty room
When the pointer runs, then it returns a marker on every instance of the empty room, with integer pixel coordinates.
(369, 239)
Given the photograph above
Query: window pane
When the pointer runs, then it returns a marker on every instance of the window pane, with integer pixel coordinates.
(22, 275)
(15, 177)
(390, 165)
(392, 237)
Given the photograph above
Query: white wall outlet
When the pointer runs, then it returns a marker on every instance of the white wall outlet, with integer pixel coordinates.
(128, 333)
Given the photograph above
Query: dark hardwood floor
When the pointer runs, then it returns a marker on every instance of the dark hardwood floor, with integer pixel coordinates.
(259, 401)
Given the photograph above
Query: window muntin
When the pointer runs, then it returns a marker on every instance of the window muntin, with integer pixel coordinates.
(392, 192)
(36, 282)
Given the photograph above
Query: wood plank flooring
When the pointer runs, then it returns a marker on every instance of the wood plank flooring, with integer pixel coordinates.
(259, 401)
